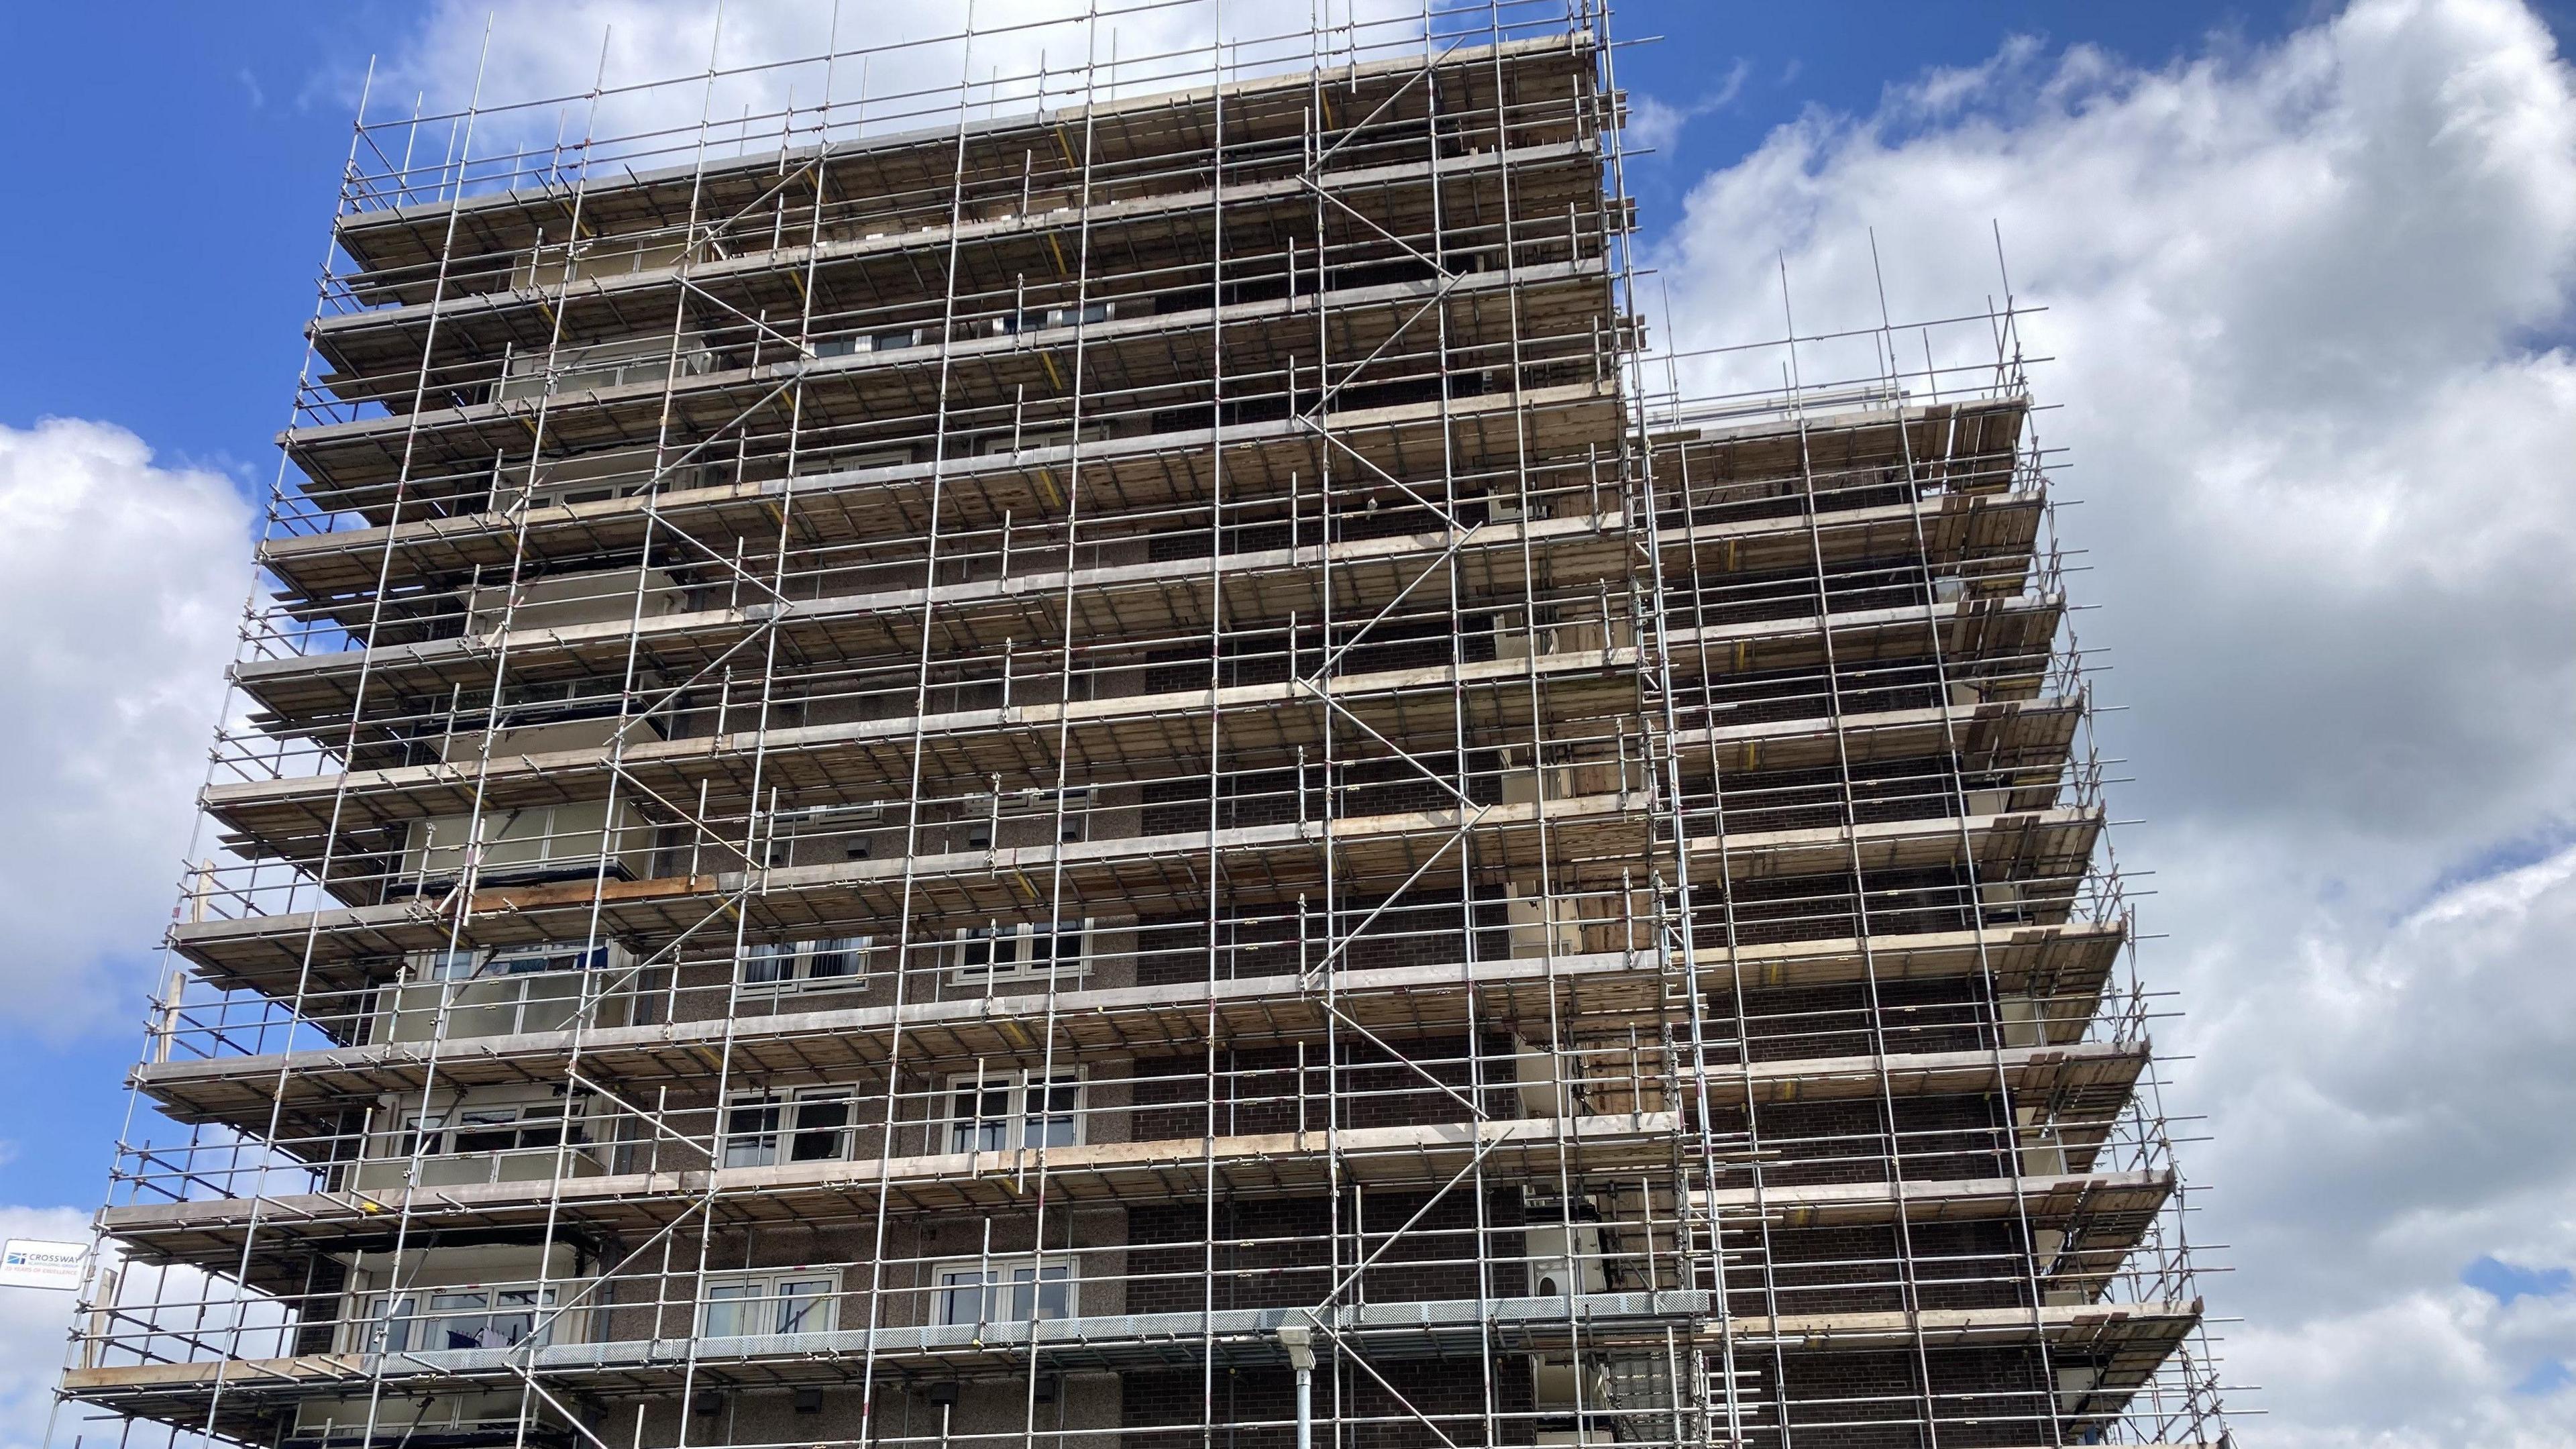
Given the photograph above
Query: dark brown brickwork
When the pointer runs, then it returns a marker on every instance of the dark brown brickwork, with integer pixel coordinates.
(1870, 1400)
(1936, 1138)
(1258, 1406)
(1259, 1091)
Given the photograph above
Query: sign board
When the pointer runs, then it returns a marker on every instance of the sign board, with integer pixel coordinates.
(36, 1263)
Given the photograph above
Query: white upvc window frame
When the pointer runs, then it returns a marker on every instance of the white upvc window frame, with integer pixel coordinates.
(1073, 819)
(554, 1123)
(1005, 1288)
(486, 963)
(1053, 318)
(569, 368)
(600, 490)
(868, 459)
(868, 343)
(973, 1125)
(1008, 955)
(768, 1301)
(484, 1315)
(781, 1141)
(797, 965)
(1051, 434)
(847, 823)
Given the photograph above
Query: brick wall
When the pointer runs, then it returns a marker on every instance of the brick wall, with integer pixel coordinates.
(1450, 1393)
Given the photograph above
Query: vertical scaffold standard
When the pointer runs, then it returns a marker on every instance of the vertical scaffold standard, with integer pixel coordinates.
(1031, 739)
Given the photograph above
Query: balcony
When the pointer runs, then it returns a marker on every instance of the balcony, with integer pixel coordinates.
(445, 1420)
(565, 600)
(430, 1319)
(537, 843)
(603, 364)
(492, 1135)
(470, 994)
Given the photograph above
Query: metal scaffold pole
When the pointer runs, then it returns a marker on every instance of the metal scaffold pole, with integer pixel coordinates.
(1067, 736)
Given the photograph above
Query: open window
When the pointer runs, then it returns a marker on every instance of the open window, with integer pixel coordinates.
(1005, 1110)
(503, 1127)
(763, 1129)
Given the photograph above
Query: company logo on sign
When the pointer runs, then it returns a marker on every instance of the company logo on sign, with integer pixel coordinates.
(35, 1263)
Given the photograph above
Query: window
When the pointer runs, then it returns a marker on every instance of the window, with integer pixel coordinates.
(829, 963)
(544, 699)
(1029, 436)
(472, 965)
(986, 953)
(795, 1300)
(447, 965)
(873, 458)
(1075, 817)
(1027, 440)
(1041, 319)
(503, 1127)
(1003, 1111)
(461, 1317)
(831, 827)
(1005, 1291)
(895, 339)
(621, 363)
(891, 340)
(568, 494)
(812, 1126)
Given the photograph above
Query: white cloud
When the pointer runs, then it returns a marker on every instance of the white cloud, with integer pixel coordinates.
(2301, 301)
(122, 582)
(33, 1322)
(1024, 53)
(162, 1314)
(1656, 123)
(2303, 305)
(2420, 1366)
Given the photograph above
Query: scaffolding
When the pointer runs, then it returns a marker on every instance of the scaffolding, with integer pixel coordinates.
(1097, 757)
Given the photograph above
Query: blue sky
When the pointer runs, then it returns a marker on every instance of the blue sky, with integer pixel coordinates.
(2296, 258)
(231, 123)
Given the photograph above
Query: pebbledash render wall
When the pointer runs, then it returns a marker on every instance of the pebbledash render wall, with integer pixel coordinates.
(930, 760)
